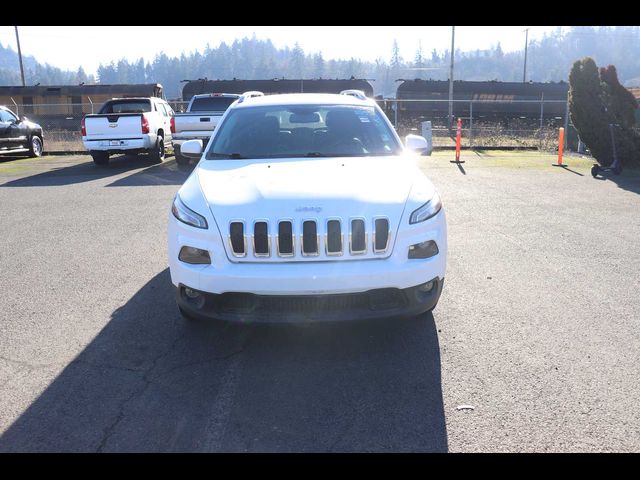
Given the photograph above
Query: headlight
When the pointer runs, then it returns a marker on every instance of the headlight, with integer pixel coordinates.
(186, 215)
(426, 211)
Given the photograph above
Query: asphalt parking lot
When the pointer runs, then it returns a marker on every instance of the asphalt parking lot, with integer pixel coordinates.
(538, 327)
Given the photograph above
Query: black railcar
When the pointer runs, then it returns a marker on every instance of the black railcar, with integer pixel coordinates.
(492, 100)
(275, 85)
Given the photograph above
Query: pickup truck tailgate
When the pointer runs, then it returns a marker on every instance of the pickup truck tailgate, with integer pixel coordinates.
(113, 126)
(191, 123)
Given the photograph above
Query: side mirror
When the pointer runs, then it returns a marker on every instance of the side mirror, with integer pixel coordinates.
(191, 148)
(416, 143)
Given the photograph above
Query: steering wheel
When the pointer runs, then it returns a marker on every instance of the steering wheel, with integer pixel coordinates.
(347, 145)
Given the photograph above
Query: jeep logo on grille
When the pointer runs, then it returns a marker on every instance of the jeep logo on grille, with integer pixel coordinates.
(309, 209)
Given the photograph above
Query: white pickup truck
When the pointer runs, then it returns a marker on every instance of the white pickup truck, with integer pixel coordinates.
(128, 125)
(306, 207)
(200, 120)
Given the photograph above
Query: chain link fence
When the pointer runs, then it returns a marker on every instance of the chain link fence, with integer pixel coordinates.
(485, 123)
(61, 122)
(532, 124)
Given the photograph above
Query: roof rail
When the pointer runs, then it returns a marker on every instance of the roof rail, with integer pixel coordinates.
(359, 94)
(250, 94)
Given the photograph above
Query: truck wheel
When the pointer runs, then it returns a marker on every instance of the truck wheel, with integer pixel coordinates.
(158, 153)
(594, 171)
(100, 158)
(35, 148)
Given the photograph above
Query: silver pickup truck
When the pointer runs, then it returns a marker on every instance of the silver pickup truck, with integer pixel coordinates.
(200, 120)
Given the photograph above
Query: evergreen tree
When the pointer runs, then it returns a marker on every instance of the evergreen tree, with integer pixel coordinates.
(435, 58)
(81, 76)
(396, 60)
(318, 65)
(595, 102)
(418, 62)
(297, 61)
(621, 103)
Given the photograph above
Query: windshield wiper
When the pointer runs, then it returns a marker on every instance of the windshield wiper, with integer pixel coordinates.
(314, 154)
(234, 156)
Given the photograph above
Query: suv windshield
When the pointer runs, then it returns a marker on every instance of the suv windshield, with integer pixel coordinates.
(211, 104)
(126, 106)
(280, 131)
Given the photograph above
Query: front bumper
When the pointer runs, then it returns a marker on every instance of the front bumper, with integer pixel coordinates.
(251, 308)
(347, 286)
(281, 277)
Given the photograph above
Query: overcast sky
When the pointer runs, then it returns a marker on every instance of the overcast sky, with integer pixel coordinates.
(70, 47)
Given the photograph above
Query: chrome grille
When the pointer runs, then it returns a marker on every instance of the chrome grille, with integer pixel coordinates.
(261, 241)
(330, 237)
(358, 237)
(309, 238)
(286, 242)
(333, 238)
(381, 235)
(237, 238)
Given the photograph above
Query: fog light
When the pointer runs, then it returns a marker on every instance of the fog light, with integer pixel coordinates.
(189, 292)
(426, 287)
(423, 250)
(193, 297)
(194, 256)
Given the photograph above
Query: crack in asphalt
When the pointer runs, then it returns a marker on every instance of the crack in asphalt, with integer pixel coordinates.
(147, 382)
(202, 362)
(104, 365)
(31, 365)
(217, 423)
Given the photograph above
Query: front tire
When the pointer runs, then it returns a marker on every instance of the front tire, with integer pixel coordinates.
(100, 158)
(158, 153)
(36, 146)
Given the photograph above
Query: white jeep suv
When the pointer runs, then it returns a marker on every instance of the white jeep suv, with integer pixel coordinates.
(306, 207)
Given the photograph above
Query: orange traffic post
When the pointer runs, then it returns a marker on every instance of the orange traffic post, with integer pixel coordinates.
(560, 148)
(458, 135)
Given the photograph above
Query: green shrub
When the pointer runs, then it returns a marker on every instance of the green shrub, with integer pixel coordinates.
(596, 100)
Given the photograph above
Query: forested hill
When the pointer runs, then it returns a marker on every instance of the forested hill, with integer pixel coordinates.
(549, 59)
(36, 72)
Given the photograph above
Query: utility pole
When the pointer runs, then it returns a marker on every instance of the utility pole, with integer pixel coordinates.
(453, 36)
(20, 56)
(526, 44)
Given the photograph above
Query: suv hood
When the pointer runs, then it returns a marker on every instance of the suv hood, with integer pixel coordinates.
(306, 188)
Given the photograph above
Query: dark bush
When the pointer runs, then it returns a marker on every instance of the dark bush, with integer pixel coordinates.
(596, 100)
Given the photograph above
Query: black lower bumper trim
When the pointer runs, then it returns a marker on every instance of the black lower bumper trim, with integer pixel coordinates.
(251, 308)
